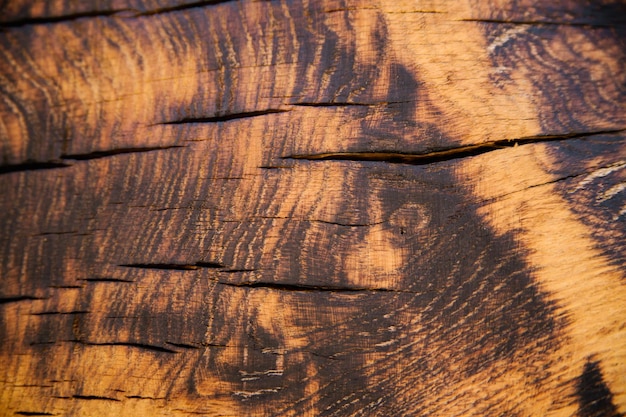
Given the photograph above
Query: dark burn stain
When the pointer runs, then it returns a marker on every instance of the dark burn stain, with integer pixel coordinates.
(595, 399)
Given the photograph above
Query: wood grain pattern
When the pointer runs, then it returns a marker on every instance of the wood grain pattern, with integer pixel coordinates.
(313, 208)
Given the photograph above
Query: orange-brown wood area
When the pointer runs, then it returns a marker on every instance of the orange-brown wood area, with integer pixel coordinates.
(313, 208)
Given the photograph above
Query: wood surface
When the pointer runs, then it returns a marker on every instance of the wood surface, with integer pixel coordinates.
(307, 208)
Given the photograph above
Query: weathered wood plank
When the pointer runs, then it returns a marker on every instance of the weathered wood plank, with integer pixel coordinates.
(337, 208)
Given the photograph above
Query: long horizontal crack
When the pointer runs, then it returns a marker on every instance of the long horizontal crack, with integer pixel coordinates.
(32, 413)
(141, 397)
(31, 166)
(143, 346)
(35, 165)
(18, 298)
(112, 152)
(331, 104)
(308, 288)
(225, 117)
(184, 345)
(94, 397)
(192, 5)
(176, 267)
(346, 104)
(49, 313)
(444, 154)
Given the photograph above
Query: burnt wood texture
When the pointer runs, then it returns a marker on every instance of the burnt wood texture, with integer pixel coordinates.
(313, 208)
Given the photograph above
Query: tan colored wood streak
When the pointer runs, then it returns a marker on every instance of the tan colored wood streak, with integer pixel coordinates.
(589, 292)
(416, 348)
(460, 76)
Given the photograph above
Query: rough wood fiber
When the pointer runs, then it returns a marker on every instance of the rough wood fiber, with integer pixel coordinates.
(312, 208)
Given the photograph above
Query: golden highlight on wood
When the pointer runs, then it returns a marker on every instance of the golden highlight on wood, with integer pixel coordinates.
(313, 208)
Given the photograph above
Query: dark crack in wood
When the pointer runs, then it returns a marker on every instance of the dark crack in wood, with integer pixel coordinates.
(50, 313)
(18, 298)
(183, 345)
(105, 279)
(332, 104)
(309, 288)
(175, 267)
(187, 6)
(442, 155)
(94, 397)
(114, 152)
(225, 117)
(143, 346)
(56, 233)
(32, 166)
(140, 397)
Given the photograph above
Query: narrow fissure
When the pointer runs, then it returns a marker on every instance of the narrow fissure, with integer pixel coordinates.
(331, 104)
(31, 166)
(308, 288)
(113, 152)
(94, 397)
(443, 154)
(144, 346)
(225, 117)
(193, 5)
(7, 300)
(176, 267)
(49, 313)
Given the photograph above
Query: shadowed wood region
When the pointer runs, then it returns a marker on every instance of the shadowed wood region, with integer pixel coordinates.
(313, 208)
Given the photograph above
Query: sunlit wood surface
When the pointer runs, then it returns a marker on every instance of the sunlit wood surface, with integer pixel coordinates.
(313, 208)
